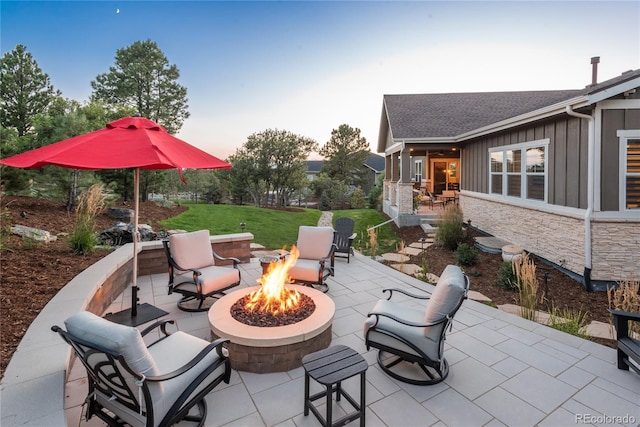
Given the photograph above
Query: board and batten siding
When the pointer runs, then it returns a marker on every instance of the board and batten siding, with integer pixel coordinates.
(612, 121)
(566, 159)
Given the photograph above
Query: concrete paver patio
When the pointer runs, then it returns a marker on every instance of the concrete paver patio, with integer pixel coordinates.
(505, 370)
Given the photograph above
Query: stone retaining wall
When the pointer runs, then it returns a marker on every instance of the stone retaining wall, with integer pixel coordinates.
(560, 237)
(33, 387)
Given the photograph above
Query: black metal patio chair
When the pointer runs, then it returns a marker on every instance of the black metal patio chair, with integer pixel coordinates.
(133, 384)
(410, 340)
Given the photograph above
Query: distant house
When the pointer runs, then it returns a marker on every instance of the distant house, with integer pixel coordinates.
(556, 172)
(374, 166)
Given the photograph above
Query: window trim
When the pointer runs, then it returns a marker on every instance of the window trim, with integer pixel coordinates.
(522, 146)
(623, 137)
(417, 170)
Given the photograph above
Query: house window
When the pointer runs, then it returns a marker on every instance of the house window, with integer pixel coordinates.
(630, 169)
(519, 170)
(418, 171)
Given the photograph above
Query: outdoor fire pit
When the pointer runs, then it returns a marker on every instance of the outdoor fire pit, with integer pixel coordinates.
(275, 347)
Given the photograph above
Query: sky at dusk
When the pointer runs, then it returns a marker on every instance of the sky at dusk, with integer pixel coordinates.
(310, 66)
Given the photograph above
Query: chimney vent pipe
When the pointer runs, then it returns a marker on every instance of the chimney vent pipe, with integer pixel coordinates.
(594, 70)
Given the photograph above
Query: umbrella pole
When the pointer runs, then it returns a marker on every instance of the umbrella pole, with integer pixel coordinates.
(136, 204)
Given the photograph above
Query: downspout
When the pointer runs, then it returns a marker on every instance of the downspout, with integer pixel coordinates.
(590, 192)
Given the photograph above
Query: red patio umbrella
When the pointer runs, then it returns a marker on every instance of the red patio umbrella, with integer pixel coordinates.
(130, 142)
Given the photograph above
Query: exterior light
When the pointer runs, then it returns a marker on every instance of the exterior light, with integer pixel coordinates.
(243, 225)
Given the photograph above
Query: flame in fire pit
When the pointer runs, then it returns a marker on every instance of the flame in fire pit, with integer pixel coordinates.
(274, 296)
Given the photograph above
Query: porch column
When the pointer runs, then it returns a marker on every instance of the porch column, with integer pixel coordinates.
(395, 177)
(387, 178)
(405, 186)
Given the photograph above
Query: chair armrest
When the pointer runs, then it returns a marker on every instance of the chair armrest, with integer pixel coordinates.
(236, 261)
(402, 291)
(406, 322)
(217, 345)
(160, 323)
(626, 315)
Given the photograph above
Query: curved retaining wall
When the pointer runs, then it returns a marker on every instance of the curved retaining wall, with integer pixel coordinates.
(32, 389)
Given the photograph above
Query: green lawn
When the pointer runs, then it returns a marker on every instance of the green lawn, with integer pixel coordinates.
(277, 229)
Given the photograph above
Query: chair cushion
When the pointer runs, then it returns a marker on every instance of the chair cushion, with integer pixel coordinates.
(445, 297)
(314, 242)
(412, 334)
(306, 270)
(172, 353)
(191, 250)
(121, 339)
(213, 279)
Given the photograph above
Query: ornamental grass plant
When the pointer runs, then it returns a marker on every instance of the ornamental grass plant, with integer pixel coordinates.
(626, 297)
(90, 204)
(525, 271)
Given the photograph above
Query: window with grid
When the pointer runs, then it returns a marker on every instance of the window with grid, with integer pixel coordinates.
(519, 170)
(630, 169)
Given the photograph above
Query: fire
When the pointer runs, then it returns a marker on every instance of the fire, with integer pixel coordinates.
(273, 296)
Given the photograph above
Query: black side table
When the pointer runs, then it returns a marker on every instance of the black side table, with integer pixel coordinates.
(330, 367)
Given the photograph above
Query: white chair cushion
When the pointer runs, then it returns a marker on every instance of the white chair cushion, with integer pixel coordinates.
(212, 279)
(414, 335)
(121, 339)
(314, 242)
(305, 269)
(445, 297)
(172, 353)
(191, 250)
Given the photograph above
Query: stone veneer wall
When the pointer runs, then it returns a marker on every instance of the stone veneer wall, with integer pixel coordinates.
(559, 238)
(33, 386)
(616, 250)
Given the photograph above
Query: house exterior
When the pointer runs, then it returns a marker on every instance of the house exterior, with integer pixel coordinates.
(556, 172)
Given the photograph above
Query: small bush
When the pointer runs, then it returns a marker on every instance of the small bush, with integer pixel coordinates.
(507, 277)
(466, 255)
(372, 245)
(473, 271)
(570, 321)
(423, 274)
(357, 199)
(450, 232)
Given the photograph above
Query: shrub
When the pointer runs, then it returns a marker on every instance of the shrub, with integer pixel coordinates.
(325, 201)
(570, 321)
(373, 242)
(450, 232)
(90, 203)
(357, 199)
(423, 274)
(507, 277)
(466, 255)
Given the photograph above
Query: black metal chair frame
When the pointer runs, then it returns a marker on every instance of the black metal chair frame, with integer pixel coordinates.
(434, 200)
(628, 348)
(343, 237)
(435, 370)
(107, 372)
(188, 295)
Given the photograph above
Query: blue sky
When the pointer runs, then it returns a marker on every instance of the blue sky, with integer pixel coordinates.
(308, 67)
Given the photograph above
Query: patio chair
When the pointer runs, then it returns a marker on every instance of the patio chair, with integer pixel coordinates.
(433, 200)
(139, 385)
(193, 272)
(343, 237)
(316, 250)
(628, 348)
(410, 338)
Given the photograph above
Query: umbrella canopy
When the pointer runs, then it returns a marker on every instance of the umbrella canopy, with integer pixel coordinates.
(130, 142)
